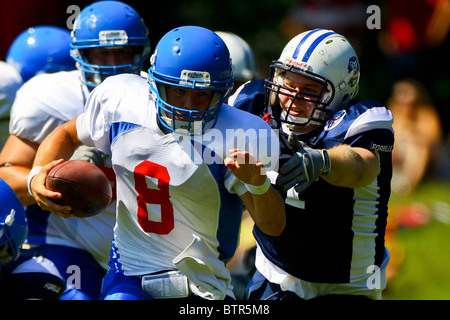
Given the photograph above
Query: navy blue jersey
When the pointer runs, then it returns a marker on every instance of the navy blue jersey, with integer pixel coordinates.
(332, 234)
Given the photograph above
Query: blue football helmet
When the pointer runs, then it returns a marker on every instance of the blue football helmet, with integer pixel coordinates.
(108, 24)
(41, 49)
(190, 57)
(13, 223)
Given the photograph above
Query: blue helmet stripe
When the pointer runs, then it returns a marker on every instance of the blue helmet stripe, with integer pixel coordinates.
(314, 45)
(297, 50)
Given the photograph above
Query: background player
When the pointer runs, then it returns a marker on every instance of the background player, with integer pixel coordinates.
(242, 57)
(49, 100)
(41, 49)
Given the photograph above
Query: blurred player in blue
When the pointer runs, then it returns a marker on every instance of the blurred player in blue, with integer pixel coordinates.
(335, 173)
(108, 38)
(41, 49)
(24, 274)
(185, 163)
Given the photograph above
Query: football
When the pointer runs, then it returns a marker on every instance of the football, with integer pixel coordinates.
(84, 187)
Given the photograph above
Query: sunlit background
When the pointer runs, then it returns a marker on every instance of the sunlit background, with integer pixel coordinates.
(403, 49)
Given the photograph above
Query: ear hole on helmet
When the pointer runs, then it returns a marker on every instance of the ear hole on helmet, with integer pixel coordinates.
(345, 98)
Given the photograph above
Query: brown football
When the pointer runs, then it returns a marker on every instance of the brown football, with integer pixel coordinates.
(84, 187)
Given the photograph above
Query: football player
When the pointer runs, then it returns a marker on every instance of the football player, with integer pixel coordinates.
(108, 38)
(41, 49)
(24, 274)
(184, 161)
(335, 173)
(242, 57)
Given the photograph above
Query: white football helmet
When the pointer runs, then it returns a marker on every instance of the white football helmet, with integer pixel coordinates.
(242, 57)
(325, 57)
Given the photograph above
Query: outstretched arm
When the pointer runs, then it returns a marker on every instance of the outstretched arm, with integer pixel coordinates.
(352, 167)
(343, 166)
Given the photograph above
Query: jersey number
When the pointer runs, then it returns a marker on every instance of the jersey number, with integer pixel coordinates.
(159, 197)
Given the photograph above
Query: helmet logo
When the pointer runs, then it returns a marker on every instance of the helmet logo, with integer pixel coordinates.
(353, 67)
(301, 65)
(113, 37)
(189, 76)
(335, 120)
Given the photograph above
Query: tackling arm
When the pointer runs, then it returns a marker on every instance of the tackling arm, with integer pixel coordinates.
(352, 167)
(342, 166)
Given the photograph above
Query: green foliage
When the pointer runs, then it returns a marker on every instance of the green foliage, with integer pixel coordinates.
(424, 273)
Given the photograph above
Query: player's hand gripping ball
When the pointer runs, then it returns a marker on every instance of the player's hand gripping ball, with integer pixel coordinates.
(84, 187)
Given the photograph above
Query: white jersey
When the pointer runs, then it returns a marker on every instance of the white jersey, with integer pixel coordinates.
(172, 190)
(44, 102)
(10, 82)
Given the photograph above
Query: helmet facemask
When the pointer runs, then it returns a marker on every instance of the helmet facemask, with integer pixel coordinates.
(8, 247)
(187, 121)
(275, 88)
(13, 231)
(94, 74)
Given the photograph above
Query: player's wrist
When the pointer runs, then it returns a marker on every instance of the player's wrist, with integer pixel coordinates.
(31, 175)
(259, 189)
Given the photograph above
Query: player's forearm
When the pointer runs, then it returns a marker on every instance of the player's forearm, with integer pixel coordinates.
(16, 178)
(59, 144)
(268, 212)
(352, 167)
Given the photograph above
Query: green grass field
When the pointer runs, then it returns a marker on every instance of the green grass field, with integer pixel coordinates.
(424, 273)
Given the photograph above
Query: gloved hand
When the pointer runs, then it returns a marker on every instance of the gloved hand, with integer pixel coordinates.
(305, 166)
(89, 154)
